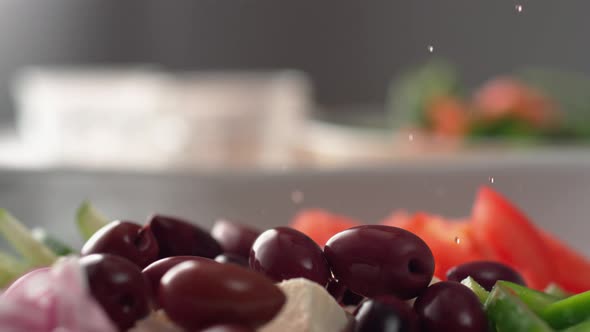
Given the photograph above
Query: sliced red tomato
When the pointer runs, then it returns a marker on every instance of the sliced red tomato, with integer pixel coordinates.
(398, 218)
(508, 236)
(571, 269)
(448, 116)
(321, 225)
(451, 242)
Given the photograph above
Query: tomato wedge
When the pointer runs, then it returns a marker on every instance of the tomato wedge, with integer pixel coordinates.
(320, 225)
(451, 242)
(571, 269)
(509, 237)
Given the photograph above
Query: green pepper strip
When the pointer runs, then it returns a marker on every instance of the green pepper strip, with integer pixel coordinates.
(568, 312)
(509, 314)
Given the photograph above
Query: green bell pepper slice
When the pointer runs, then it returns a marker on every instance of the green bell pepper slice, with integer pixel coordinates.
(481, 293)
(509, 314)
(568, 312)
(535, 300)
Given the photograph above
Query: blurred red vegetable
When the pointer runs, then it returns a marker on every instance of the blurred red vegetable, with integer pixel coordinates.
(505, 97)
(320, 225)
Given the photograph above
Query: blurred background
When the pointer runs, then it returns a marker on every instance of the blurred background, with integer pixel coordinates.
(256, 110)
(187, 85)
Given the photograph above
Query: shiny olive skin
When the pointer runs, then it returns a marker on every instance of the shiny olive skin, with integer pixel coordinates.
(386, 313)
(196, 295)
(374, 260)
(228, 328)
(233, 259)
(119, 287)
(155, 271)
(486, 273)
(448, 306)
(177, 237)
(125, 239)
(284, 253)
(234, 238)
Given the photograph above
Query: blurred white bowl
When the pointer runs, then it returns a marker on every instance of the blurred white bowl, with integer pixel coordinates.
(143, 118)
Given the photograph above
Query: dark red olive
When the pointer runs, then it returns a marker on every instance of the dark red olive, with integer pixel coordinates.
(374, 260)
(234, 238)
(177, 237)
(486, 273)
(195, 295)
(336, 289)
(351, 299)
(234, 259)
(449, 306)
(228, 328)
(386, 313)
(285, 253)
(125, 239)
(119, 287)
(157, 269)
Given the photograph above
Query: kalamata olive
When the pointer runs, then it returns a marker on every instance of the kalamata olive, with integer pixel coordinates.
(285, 253)
(375, 260)
(125, 239)
(119, 287)
(177, 237)
(336, 289)
(351, 299)
(195, 295)
(386, 313)
(234, 259)
(486, 273)
(448, 306)
(155, 271)
(234, 238)
(228, 328)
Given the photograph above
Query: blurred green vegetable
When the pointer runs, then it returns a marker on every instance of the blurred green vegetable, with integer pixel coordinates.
(10, 268)
(410, 94)
(57, 246)
(89, 220)
(571, 93)
(35, 252)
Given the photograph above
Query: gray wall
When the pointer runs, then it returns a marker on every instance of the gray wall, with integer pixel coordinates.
(351, 48)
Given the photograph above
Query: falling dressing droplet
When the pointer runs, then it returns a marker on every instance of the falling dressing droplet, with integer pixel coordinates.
(457, 240)
(491, 179)
(430, 48)
(297, 197)
(518, 8)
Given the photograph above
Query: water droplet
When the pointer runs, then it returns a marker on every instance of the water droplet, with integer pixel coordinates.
(411, 137)
(518, 8)
(297, 197)
(430, 48)
(457, 240)
(491, 179)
